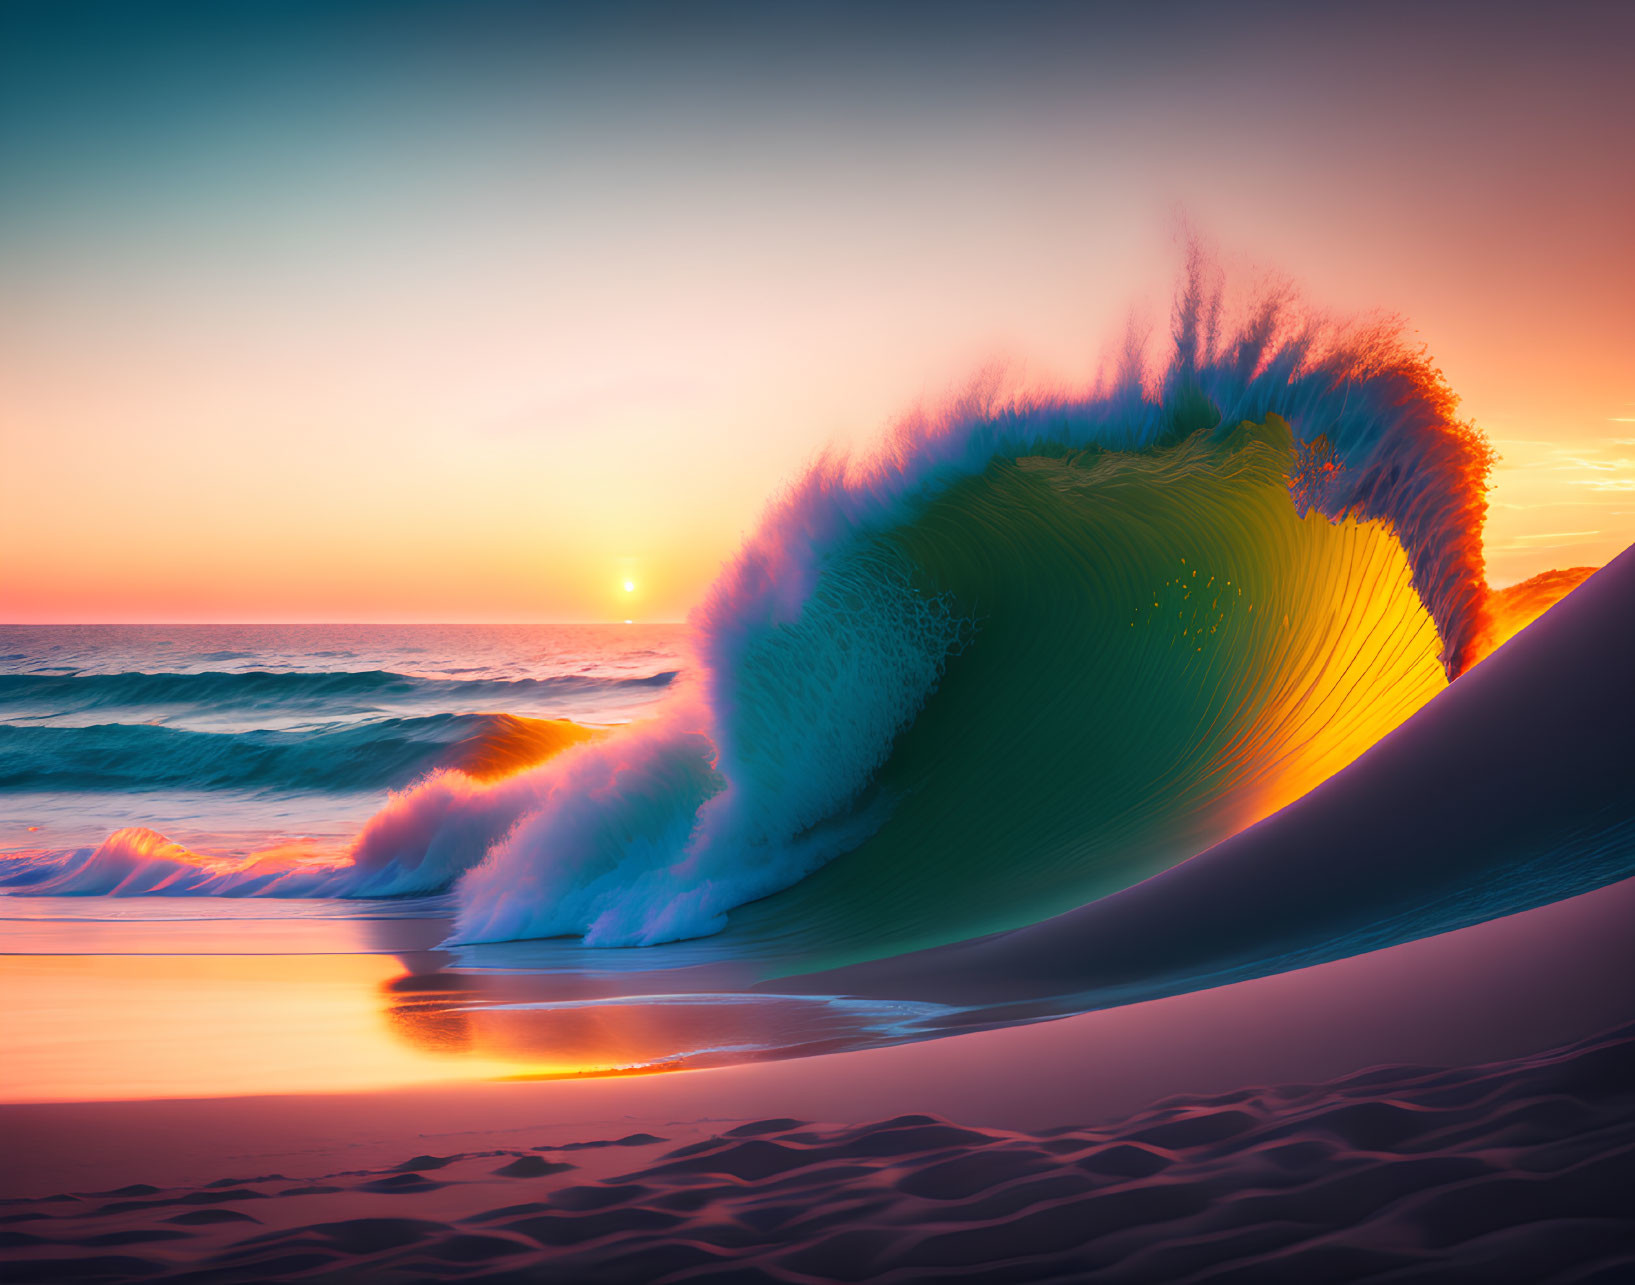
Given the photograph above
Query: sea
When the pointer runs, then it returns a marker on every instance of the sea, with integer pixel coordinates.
(230, 739)
(235, 740)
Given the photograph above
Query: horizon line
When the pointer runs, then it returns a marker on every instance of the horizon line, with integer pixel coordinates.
(171, 624)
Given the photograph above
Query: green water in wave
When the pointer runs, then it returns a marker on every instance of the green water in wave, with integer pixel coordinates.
(1164, 651)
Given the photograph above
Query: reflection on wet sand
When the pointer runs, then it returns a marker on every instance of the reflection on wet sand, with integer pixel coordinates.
(537, 1024)
(556, 1010)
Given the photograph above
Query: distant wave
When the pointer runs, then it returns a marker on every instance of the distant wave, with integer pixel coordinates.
(281, 692)
(1031, 651)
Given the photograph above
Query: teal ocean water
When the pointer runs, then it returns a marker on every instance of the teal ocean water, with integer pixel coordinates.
(229, 738)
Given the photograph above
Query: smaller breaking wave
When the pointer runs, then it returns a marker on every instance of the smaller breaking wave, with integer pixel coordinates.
(376, 755)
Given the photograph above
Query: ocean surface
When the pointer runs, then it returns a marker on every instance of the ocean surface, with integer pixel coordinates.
(235, 738)
(244, 739)
(1100, 661)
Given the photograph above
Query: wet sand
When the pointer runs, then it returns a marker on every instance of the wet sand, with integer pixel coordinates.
(1496, 1142)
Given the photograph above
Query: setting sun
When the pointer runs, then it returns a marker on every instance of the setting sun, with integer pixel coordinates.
(630, 586)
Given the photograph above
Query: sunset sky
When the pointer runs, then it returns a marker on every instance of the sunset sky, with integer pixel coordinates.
(417, 311)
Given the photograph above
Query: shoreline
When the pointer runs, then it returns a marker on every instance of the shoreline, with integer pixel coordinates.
(1506, 988)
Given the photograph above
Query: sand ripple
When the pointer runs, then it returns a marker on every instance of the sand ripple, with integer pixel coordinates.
(1518, 1171)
